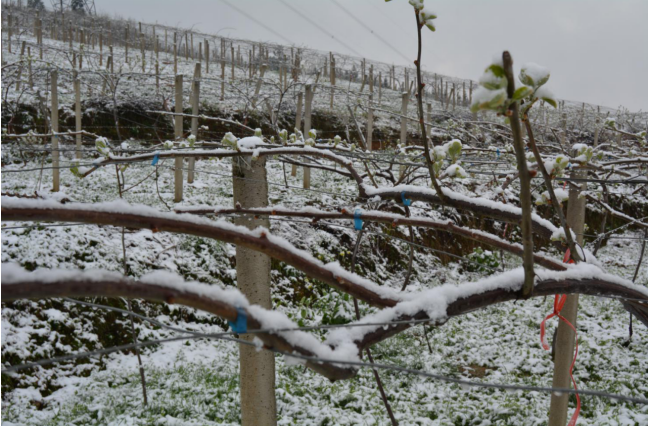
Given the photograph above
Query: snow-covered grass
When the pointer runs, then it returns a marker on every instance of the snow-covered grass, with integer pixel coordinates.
(196, 382)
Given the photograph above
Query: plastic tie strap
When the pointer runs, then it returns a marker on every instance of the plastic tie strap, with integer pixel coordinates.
(357, 221)
(406, 201)
(559, 302)
(156, 158)
(240, 325)
(498, 153)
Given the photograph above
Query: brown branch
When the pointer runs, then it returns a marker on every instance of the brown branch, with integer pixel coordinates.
(419, 101)
(261, 152)
(386, 218)
(525, 178)
(142, 217)
(114, 285)
(554, 200)
(501, 211)
(593, 286)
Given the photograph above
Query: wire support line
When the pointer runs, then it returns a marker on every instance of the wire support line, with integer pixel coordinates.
(388, 367)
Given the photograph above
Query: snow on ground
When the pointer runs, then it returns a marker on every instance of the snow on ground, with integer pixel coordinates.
(196, 383)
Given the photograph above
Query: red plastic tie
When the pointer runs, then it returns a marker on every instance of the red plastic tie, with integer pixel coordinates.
(559, 303)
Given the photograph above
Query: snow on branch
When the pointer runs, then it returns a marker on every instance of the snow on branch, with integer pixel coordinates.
(446, 301)
(382, 217)
(435, 306)
(478, 205)
(120, 213)
(162, 286)
(248, 150)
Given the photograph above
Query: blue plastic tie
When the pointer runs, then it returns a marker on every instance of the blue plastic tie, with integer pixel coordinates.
(498, 153)
(406, 202)
(240, 325)
(156, 158)
(356, 219)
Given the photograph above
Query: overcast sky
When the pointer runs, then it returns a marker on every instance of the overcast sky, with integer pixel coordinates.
(597, 50)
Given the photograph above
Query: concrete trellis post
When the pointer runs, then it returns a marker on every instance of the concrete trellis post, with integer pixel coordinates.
(471, 90)
(77, 113)
(257, 368)
(257, 89)
(429, 119)
(206, 56)
(464, 94)
(565, 335)
(370, 122)
(307, 127)
(332, 74)
(250, 64)
(54, 120)
(175, 53)
(143, 48)
(195, 106)
(232, 60)
(29, 69)
(10, 31)
(222, 78)
(178, 136)
(403, 129)
(22, 54)
(597, 131)
(298, 119)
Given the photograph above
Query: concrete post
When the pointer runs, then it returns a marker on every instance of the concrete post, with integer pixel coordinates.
(54, 120)
(178, 136)
(77, 113)
(307, 128)
(298, 119)
(370, 122)
(195, 106)
(565, 335)
(257, 369)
